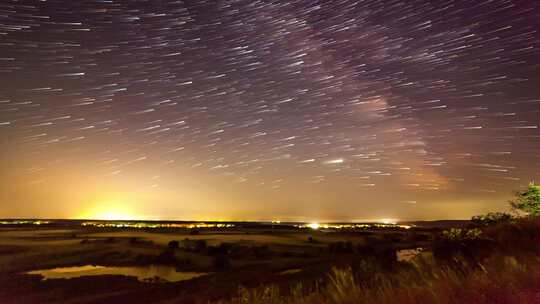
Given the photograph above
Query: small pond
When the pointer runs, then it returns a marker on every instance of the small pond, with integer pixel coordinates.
(407, 255)
(150, 273)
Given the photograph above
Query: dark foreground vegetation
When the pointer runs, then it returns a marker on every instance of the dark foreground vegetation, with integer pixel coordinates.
(481, 263)
(494, 264)
(494, 258)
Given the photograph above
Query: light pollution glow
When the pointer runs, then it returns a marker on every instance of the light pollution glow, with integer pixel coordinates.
(295, 110)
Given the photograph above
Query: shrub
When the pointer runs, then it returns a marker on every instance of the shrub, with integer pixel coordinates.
(458, 234)
(221, 262)
(166, 257)
(392, 237)
(528, 201)
(222, 249)
(200, 245)
(490, 218)
(415, 236)
(516, 236)
(469, 244)
(340, 247)
(173, 245)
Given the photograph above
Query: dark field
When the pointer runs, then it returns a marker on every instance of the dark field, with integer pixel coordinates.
(277, 257)
(247, 254)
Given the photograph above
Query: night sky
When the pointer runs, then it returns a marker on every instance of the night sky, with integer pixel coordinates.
(267, 110)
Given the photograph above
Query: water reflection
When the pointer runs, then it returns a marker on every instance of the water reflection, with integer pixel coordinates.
(151, 273)
(407, 255)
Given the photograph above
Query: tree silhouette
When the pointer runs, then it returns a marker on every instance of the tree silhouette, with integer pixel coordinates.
(528, 200)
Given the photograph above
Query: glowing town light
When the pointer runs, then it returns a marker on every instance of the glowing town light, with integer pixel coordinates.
(314, 226)
(111, 210)
(114, 216)
(388, 221)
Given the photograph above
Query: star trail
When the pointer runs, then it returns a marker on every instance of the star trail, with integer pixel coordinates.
(275, 110)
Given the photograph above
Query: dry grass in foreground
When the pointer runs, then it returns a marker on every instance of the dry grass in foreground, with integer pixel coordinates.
(506, 271)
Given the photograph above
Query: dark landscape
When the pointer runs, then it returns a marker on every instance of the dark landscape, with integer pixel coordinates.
(489, 259)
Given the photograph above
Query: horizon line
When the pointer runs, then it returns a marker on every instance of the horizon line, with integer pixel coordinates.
(385, 221)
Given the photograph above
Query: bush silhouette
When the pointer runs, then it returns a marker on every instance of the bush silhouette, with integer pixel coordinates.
(221, 262)
(166, 257)
(200, 245)
(173, 245)
(490, 218)
(528, 201)
(221, 249)
(341, 247)
(469, 244)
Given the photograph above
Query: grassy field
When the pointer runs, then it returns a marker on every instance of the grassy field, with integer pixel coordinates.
(495, 264)
(267, 265)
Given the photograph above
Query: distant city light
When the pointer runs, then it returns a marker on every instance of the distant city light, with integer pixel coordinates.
(24, 222)
(388, 221)
(314, 226)
(144, 225)
(388, 224)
